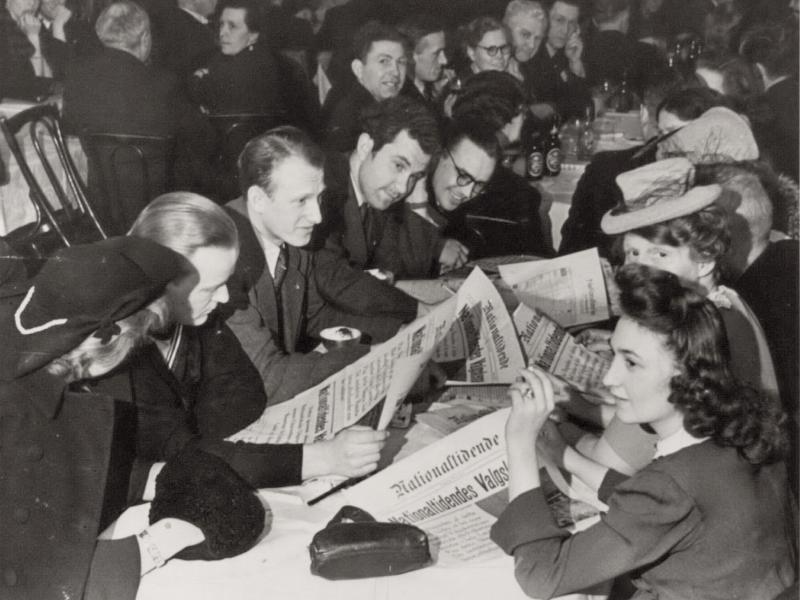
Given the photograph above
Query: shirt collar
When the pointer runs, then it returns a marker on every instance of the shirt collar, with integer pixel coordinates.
(677, 441)
(354, 164)
(270, 248)
(197, 16)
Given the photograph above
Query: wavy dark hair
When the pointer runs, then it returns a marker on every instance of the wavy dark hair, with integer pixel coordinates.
(706, 233)
(712, 402)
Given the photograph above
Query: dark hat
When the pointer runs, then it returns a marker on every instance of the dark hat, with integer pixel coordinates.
(204, 490)
(80, 290)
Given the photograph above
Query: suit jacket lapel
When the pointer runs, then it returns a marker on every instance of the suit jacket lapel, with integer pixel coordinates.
(354, 239)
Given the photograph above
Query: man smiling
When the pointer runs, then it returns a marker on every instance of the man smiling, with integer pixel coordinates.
(278, 310)
(379, 68)
(397, 141)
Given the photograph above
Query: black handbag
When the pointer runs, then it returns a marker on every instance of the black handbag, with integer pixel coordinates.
(354, 545)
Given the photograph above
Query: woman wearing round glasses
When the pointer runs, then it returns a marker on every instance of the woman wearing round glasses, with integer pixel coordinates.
(487, 45)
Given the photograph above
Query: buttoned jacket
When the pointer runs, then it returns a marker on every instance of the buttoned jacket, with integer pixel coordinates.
(61, 482)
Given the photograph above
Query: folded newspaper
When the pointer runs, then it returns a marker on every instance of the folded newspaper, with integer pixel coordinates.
(473, 328)
(569, 289)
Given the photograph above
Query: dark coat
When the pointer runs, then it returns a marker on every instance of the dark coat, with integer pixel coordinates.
(17, 77)
(65, 458)
(258, 80)
(341, 115)
(778, 137)
(597, 193)
(549, 79)
(181, 43)
(210, 392)
(385, 241)
(279, 345)
(504, 219)
(114, 92)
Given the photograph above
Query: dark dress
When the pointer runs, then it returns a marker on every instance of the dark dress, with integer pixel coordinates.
(699, 523)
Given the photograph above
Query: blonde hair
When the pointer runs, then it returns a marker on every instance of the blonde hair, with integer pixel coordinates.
(185, 222)
(134, 331)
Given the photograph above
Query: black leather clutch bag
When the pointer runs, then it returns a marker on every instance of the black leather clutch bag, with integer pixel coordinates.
(354, 545)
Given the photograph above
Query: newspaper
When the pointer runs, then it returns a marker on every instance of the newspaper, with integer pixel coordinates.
(474, 324)
(483, 335)
(453, 489)
(553, 349)
(569, 289)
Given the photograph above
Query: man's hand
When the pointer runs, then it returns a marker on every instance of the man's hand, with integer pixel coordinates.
(62, 15)
(453, 255)
(30, 24)
(353, 452)
(574, 53)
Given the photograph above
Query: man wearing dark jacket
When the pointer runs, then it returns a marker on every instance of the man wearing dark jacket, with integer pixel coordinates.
(359, 206)
(279, 303)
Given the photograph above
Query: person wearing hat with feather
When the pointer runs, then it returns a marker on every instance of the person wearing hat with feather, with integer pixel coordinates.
(65, 452)
(669, 223)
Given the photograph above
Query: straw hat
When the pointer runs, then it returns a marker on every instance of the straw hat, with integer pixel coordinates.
(655, 193)
(718, 135)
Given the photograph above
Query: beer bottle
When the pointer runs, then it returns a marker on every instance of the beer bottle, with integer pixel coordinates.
(535, 160)
(552, 156)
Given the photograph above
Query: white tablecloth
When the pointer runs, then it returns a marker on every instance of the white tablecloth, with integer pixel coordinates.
(278, 568)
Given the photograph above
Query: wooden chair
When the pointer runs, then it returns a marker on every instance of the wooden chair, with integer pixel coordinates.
(126, 172)
(63, 216)
(233, 132)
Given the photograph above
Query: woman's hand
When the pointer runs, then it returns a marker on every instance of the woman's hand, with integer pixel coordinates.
(532, 401)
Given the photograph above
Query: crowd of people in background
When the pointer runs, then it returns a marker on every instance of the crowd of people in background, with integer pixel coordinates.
(383, 142)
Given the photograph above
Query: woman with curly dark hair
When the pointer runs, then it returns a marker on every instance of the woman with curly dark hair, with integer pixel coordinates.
(712, 517)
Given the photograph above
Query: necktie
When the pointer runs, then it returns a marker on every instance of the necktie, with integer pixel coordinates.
(428, 91)
(280, 268)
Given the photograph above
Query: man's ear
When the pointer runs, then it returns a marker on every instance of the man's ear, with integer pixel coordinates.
(358, 69)
(364, 145)
(256, 197)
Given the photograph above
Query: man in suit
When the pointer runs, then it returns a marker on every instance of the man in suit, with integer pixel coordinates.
(772, 47)
(361, 207)
(556, 72)
(26, 60)
(426, 37)
(115, 91)
(379, 68)
(184, 37)
(277, 308)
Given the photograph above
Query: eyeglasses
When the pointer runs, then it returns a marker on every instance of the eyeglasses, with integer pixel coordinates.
(493, 51)
(464, 178)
